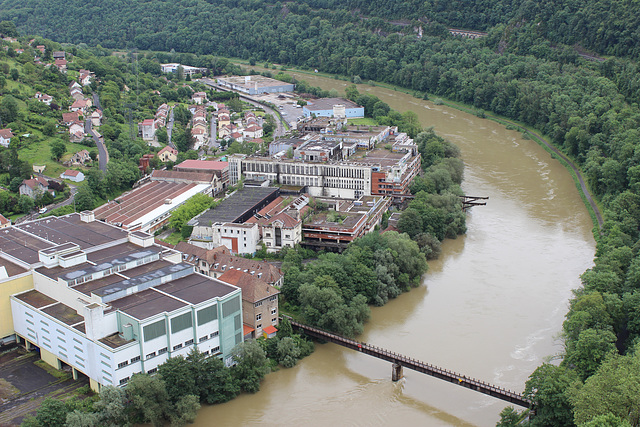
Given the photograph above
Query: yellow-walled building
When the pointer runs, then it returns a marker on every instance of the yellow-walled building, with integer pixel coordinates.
(13, 279)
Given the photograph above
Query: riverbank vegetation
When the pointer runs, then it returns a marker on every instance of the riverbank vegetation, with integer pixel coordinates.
(525, 69)
(180, 387)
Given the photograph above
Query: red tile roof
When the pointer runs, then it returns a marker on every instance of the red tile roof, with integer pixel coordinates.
(168, 149)
(6, 133)
(202, 164)
(253, 288)
(246, 330)
(4, 220)
(71, 172)
(270, 330)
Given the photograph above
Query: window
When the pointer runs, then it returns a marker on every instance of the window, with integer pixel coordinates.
(135, 359)
(206, 353)
(152, 371)
(154, 330)
(124, 380)
(259, 326)
(123, 364)
(259, 303)
(259, 275)
(224, 267)
(207, 315)
(274, 310)
(274, 320)
(150, 355)
(215, 349)
(163, 350)
(204, 338)
(182, 322)
(189, 342)
(213, 335)
(177, 347)
(268, 234)
(273, 298)
(259, 316)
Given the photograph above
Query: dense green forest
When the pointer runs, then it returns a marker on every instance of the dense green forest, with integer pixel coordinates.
(236, 28)
(526, 69)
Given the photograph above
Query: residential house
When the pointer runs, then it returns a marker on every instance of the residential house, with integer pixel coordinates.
(215, 262)
(80, 158)
(76, 129)
(41, 48)
(96, 118)
(147, 129)
(224, 119)
(252, 131)
(85, 77)
(72, 175)
(34, 187)
(199, 136)
(68, 118)
(81, 105)
(5, 137)
(61, 65)
(259, 303)
(237, 136)
(44, 98)
(168, 154)
(59, 55)
(199, 97)
(4, 222)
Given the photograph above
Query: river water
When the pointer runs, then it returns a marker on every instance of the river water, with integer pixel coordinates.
(490, 308)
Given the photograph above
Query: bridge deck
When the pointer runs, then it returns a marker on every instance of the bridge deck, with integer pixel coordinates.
(416, 365)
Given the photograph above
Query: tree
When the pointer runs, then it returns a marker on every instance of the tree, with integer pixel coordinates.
(410, 222)
(15, 183)
(84, 198)
(25, 203)
(186, 410)
(8, 29)
(49, 129)
(218, 385)
(548, 386)
(52, 413)
(8, 109)
(111, 407)
(251, 365)
(613, 389)
(176, 373)
(148, 399)
(589, 350)
(82, 419)
(58, 148)
(288, 352)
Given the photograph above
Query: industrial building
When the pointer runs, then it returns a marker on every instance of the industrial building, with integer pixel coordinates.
(110, 303)
(255, 85)
(333, 107)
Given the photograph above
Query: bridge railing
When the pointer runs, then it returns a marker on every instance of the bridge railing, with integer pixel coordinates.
(416, 365)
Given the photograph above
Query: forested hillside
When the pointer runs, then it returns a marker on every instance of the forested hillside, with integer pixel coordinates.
(526, 69)
(609, 27)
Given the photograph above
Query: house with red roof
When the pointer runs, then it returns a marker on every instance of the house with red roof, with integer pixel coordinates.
(199, 97)
(147, 129)
(72, 175)
(81, 105)
(252, 131)
(168, 154)
(96, 118)
(44, 98)
(5, 137)
(221, 169)
(4, 222)
(34, 187)
(259, 303)
(68, 118)
(61, 64)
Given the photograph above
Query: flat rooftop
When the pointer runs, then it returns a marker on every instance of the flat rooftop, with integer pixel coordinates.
(147, 303)
(114, 340)
(100, 261)
(196, 288)
(35, 299)
(71, 229)
(378, 156)
(21, 245)
(335, 220)
(262, 81)
(237, 205)
(11, 268)
(328, 103)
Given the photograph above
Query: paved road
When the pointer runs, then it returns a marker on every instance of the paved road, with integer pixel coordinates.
(170, 128)
(96, 100)
(103, 154)
(280, 129)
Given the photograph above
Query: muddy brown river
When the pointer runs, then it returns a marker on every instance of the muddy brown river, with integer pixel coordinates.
(491, 307)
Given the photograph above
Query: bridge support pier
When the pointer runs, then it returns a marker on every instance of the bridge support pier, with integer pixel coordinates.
(396, 372)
